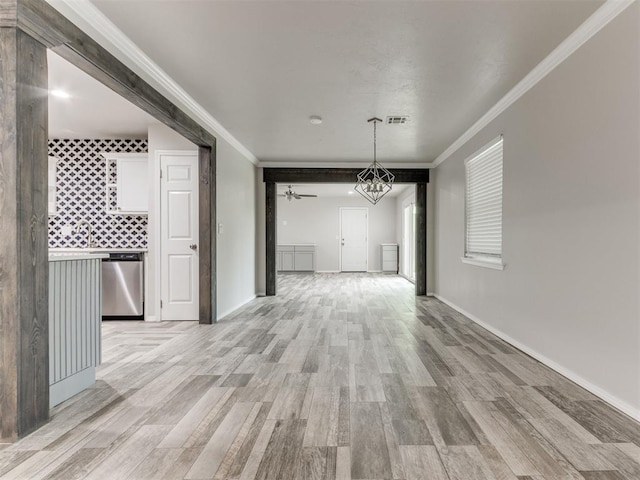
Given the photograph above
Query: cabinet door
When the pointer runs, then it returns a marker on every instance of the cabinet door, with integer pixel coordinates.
(287, 261)
(133, 184)
(303, 261)
(278, 261)
(389, 258)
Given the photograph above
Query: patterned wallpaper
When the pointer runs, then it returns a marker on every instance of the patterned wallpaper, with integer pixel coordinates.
(81, 195)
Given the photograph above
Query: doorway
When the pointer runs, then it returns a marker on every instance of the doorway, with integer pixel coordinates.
(354, 239)
(179, 235)
(272, 176)
(408, 269)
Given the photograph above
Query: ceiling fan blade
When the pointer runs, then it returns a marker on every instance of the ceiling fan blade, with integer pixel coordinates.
(296, 196)
(301, 195)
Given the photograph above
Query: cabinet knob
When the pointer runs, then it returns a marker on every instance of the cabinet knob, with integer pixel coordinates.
(193, 246)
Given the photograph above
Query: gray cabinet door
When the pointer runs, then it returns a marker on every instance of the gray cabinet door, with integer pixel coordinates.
(389, 258)
(303, 261)
(287, 261)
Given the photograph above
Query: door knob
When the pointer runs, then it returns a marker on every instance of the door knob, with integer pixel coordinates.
(193, 246)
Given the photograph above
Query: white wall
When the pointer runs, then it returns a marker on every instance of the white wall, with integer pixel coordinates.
(236, 202)
(317, 220)
(570, 291)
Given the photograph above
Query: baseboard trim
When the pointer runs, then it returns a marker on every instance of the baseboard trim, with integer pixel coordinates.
(236, 307)
(565, 372)
(327, 271)
(151, 318)
(71, 385)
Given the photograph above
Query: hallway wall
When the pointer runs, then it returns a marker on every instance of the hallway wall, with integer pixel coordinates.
(569, 294)
(236, 200)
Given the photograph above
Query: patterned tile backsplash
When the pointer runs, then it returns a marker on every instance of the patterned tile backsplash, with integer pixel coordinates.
(81, 195)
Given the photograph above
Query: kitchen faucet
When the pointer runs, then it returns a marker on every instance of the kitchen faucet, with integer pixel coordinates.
(89, 231)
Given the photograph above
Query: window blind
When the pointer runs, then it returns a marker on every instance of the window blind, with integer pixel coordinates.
(484, 202)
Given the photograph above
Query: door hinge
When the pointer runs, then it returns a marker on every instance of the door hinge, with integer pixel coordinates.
(160, 173)
(160, 303)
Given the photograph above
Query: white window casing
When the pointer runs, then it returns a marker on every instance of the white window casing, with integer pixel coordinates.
(483, 206)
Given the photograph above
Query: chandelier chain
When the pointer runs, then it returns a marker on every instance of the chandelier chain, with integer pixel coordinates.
(374, 141)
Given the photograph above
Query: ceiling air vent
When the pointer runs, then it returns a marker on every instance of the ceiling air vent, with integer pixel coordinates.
(397, 120)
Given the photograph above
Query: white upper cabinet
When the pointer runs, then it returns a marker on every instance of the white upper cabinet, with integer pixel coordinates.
(127, 183)
(132, 185)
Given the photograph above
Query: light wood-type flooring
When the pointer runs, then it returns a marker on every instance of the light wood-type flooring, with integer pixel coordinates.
(338, 377)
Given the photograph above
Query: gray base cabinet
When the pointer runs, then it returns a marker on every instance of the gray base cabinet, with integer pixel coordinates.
(296, 258)
(389, 257)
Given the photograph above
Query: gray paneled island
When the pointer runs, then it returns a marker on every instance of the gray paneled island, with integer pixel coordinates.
(75, 315)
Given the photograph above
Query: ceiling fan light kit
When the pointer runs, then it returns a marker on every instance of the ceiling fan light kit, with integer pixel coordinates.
(291, 194)
(375, 181)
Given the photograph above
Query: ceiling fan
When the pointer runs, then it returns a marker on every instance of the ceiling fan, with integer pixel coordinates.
(289, 194)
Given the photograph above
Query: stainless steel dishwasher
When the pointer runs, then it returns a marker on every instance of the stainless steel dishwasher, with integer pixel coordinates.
(123, 286)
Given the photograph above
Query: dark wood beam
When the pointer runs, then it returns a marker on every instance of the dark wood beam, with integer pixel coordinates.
(337, 175)
(46, 24)
(271, 218)
(421, 239)
(24, 266)
(207, 229)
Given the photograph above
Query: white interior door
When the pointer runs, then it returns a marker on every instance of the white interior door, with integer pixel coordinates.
(179, 236)
(353, 250)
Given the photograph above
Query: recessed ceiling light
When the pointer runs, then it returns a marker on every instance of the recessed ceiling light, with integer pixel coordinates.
(350, 192)
(315, 119)
(60, 94)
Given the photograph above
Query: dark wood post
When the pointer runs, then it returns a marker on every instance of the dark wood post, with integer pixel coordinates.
(208, 239)
(421, 238)
(270, 227)
(24, 283)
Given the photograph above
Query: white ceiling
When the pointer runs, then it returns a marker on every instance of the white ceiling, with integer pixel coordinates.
(261, 68)
(93, 110)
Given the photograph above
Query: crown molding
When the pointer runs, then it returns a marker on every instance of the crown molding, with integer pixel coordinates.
(90, 19)
(599, 19)
(391, 165)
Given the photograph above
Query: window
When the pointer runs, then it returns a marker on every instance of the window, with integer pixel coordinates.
(483, 172)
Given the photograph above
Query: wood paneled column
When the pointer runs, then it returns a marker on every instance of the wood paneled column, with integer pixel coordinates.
(208, 239)
(271, 218)
(24, 336)
(421, 238)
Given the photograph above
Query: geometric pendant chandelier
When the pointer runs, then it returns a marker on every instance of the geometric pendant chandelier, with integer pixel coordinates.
(375, 181)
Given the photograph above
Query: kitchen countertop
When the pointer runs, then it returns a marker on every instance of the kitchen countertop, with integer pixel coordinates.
(96, 250)
(66, 256)
(297, 244)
